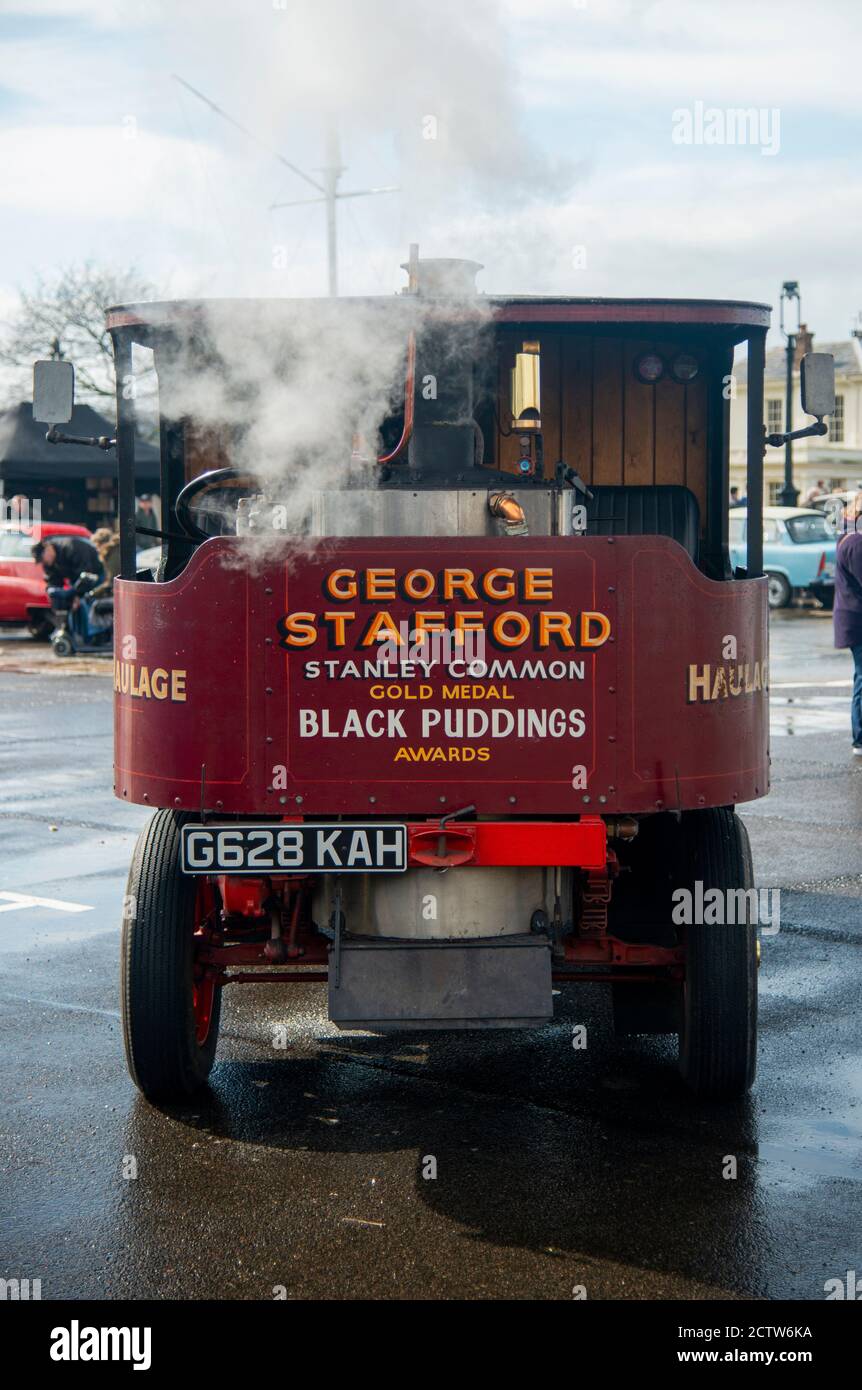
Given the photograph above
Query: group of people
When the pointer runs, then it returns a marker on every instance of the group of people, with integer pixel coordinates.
(814, 494)
(79, 573)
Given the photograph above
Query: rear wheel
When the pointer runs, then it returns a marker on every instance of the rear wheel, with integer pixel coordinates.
(718, 1037)
(779, 591)
(170, 1007)
(714, 1011)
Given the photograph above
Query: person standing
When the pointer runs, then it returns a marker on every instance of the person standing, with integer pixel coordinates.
(847, 613)
(107, 543)
(145, 517)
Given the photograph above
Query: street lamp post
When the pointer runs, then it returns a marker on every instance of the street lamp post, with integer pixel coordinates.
(788, 495)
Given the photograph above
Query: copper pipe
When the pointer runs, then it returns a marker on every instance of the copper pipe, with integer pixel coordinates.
(408, 403)
(622, 828)
(502, 504)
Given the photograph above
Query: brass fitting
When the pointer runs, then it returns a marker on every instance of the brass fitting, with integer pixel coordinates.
(622, 828)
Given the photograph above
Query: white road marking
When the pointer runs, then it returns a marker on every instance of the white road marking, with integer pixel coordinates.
(10, 902)
(64, 1008)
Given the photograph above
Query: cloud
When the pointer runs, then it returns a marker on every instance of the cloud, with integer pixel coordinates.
(553, 132)
(735, 53)
(108, 14)
(102, 172)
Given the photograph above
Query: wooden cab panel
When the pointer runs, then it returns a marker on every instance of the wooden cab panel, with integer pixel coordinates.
(600, 419)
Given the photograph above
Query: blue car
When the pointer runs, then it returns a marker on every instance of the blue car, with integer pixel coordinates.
(798, 553)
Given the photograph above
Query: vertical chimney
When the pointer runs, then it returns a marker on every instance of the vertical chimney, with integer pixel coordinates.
(443, 277)
(804, 343)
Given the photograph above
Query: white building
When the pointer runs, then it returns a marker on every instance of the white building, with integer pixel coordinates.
(834, 459)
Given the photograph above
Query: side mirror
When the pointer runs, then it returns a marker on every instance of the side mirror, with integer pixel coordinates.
(53, 392)
(818, 384)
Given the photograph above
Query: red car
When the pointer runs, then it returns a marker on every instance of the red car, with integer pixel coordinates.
(23, 600)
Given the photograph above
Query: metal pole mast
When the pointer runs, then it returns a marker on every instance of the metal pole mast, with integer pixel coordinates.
(331, 174)
(327, 187)
(788, 495)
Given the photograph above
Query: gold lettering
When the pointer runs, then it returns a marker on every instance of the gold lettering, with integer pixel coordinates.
(698, 683)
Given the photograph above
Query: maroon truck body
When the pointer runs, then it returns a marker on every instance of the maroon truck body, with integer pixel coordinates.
(666, 717)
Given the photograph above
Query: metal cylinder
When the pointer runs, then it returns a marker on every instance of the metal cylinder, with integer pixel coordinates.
(444, 277)
(430, 905)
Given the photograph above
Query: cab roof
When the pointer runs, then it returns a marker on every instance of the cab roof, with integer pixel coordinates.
(739, 315)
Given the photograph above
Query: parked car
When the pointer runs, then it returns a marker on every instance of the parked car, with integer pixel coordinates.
(798, 553)
(149, 559)
(834, 506)
(23, 600)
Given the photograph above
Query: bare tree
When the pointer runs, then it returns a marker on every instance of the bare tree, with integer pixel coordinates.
(65, 316)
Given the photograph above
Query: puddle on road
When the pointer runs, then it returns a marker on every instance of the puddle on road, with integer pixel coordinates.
(831, 1162)
(809, 714)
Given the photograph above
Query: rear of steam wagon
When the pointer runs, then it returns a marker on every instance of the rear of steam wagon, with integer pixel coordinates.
(474, 745)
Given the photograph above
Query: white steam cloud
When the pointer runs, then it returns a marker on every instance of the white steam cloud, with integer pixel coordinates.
(282, 390)
(293, 386)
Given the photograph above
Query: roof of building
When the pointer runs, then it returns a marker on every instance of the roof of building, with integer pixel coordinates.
(25, 452)
(847, 354)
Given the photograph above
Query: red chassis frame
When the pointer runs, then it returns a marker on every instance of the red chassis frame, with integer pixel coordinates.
(246, 902)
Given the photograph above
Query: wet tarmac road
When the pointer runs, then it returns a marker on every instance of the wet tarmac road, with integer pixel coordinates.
(305, 1169)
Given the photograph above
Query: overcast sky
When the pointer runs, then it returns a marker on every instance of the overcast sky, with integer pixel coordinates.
(553, 159)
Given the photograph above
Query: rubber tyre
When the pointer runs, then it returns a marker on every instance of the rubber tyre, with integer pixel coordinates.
(40, 631)
(779, 592)
(718, 1036)
(62, 646)
(165, 1059)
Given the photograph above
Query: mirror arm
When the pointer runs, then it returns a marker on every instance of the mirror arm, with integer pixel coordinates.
(776, 440)
(55, 436)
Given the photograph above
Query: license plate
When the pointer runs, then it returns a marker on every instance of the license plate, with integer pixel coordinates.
(314, 848)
